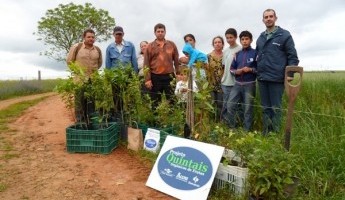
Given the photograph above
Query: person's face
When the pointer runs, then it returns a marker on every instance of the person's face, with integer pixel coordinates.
(118, 37)
(245, 41)
(160, 33)
(230, 39)
(269, 19)
(143, 46)
(184, 77)
(217, 44)
(89, 39)
(190, 41)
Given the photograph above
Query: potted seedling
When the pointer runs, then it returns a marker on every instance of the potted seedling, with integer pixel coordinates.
(92, 133)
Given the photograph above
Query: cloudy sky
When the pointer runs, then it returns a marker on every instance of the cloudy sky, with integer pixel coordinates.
(314, 24)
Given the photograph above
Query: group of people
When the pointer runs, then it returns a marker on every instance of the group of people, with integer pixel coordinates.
(232, 73)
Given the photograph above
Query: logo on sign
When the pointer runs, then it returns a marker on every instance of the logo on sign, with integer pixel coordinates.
(185, 168)
(150, 143)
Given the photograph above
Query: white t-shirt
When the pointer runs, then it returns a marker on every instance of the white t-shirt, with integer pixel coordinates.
(228, 56)
(180, 85)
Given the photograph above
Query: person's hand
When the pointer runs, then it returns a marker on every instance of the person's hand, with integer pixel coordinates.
(148, 84)
(184, 90)
(239, 71)
(289, 78)
(246, 69)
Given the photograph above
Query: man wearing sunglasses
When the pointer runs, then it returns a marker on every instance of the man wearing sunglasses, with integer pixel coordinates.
(120, 52)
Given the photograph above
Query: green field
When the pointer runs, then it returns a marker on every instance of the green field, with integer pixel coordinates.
(15, 88)
(318, 135)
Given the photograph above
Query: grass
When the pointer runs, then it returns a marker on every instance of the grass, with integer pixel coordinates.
(319, 135)
(15, 88)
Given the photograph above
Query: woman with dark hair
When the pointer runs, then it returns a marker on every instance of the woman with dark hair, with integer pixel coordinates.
(214, 73)
(190, 39)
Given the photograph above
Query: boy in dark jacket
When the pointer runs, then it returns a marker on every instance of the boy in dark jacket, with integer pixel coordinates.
(243, 68)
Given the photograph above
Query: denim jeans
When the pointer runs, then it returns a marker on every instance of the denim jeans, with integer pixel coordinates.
(226, 94)
(241, 94)
(271, 101)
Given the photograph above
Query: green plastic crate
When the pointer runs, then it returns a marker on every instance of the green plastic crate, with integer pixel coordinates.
(103, 141)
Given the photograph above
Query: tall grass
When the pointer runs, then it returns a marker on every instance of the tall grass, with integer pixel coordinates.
(15, 88)
(319, 135)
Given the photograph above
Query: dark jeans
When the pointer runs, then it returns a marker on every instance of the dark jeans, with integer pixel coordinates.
(161, 84)
(244, 95)
(84, 107)
(271, 100)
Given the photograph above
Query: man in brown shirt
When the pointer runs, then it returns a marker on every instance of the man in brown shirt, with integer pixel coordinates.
(86, 54)
(161, 56)
(89, 57)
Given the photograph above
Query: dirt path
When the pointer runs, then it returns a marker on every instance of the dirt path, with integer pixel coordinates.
(8, 102)
(42, 169)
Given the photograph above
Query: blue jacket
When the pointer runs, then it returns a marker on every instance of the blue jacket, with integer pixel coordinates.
(244, 58)
(114, 58)
(194, 55)
(274, 55)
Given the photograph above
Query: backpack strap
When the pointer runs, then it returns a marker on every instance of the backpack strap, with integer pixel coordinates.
(76, 50)
(100, 54)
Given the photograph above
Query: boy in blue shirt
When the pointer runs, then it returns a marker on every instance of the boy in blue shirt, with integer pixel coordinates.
(243, 68)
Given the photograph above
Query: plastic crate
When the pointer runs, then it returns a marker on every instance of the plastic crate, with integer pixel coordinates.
(232, 178)
(101, 141)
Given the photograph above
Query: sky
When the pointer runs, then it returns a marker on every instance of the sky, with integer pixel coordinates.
(315, 26)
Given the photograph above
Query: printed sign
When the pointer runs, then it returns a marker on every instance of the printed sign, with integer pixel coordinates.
(185, 168)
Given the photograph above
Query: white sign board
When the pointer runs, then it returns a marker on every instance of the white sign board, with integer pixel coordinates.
(185, 168)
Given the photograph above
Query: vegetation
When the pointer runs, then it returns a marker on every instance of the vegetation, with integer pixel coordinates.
(317, 153)
(15, 88)
(318, 140)
(62, 27)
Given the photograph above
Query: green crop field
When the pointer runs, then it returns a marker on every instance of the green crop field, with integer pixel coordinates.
(15, 88)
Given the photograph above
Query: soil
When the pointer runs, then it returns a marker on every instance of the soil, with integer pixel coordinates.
(39, 166)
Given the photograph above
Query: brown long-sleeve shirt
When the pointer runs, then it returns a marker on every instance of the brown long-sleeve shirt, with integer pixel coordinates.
(89, 58)
(161, 60)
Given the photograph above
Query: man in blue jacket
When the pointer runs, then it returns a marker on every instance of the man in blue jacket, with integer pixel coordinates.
(276, 50)
(120, 52)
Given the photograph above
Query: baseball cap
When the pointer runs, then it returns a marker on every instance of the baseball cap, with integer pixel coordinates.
(118, 29)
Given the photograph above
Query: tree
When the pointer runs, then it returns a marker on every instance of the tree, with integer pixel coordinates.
(63, 26)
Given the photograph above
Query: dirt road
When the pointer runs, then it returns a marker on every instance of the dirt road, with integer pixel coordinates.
(40, 167)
